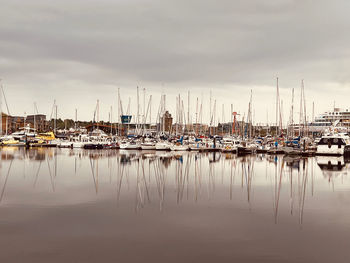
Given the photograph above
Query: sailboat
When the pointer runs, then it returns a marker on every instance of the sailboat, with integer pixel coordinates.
(164, 146)
(179, 145)
(148, 144)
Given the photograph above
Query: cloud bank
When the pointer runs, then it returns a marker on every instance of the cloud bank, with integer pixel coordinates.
(79, 51)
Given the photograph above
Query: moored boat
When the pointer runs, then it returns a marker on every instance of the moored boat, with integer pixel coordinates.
(334, 144)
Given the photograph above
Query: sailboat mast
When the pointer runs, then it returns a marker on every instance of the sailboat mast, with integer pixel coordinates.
(210, 112)
(300, 112)
(214, 123)
(184, 116)
(188, 111)
(267, 122)
(176, 115)
(0, 114)
(144, 109)
(118, 111)
(180, 113)
(128, 113)
(201, 115)
(76, 119)
(196, 131)
(231, 114)
(305, 120)
(281, 117)
(98, 112)
(292, 114)
(138, 111)
(150, 112)
(222, 120)
(250, 114)
(164, 113)
(111, 120)
(34, 118)
(277, 108)
(55, 123)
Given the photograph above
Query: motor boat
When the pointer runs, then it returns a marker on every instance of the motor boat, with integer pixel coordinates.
(229, 145)
(335, 144)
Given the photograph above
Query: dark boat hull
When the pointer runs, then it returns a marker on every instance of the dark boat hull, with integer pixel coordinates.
(93, 146)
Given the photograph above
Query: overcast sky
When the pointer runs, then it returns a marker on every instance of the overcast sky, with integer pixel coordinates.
(79, 51)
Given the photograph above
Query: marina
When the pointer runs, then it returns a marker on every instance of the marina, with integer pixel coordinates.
(174, 131)
(326, 135)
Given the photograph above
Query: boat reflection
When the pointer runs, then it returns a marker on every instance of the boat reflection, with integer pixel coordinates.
(160, 178)
(333, 166)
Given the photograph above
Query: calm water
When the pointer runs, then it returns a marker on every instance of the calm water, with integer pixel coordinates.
(62, 205)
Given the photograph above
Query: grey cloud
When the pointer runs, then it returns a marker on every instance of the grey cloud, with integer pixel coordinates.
(185, 44)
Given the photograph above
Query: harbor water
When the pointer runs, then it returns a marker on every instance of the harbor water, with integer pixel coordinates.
(75, 205)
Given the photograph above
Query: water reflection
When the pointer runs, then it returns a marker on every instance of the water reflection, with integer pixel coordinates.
(159, 178)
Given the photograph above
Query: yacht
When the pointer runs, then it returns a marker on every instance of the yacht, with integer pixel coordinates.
(180, 147)
(325, 120)
(247, 147)
(23, 133)
(80, 141)
(163, 146)
(97, 139)
(10, 141)
(130, 145)
(196, 146)
(334, 144)
(229, 144)
(148, 145)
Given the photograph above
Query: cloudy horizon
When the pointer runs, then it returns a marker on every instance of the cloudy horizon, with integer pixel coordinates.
(76, 52)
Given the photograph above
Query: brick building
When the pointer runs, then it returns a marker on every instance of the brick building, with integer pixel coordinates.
(40, 121)
(166, 122)
(11, 124)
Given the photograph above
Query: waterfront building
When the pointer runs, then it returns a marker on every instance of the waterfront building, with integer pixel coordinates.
(10, 123)
(166, 122)
(40, 121)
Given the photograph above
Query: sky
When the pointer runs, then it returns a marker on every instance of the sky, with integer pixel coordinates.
(79, 51)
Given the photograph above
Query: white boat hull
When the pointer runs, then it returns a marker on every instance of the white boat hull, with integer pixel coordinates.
(163, 147)
(333, 150)
(78, 144)
(180, 148)
(127, 146)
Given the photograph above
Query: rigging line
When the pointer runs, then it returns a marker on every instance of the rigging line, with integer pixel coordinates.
(3, 93)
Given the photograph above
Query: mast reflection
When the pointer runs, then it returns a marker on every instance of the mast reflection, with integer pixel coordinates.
(159, 178)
